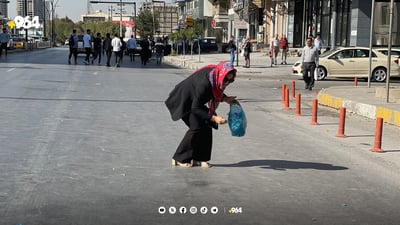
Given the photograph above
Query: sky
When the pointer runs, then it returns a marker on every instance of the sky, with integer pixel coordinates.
(71, 8)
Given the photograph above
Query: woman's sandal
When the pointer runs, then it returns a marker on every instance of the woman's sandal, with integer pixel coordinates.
(201, 164)
(176, 163)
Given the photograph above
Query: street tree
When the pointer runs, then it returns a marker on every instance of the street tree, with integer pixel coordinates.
(147, 23)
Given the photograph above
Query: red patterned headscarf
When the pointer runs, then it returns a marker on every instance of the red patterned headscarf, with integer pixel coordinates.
(217, 76)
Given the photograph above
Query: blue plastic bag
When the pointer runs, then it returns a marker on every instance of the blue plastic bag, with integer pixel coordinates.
(237, 120)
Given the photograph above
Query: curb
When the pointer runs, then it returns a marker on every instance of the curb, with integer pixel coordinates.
(390, 116)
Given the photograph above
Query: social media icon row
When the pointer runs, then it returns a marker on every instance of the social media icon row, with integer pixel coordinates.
(184, 210)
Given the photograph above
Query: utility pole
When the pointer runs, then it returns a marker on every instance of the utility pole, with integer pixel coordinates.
(120, 18)
(120, 10)
(389, 51)
(134, 10)
(44, 18)
(25, 15)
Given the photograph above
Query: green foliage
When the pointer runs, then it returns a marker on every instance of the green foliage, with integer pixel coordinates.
(190, 33)
(63, 28)
(147, 24)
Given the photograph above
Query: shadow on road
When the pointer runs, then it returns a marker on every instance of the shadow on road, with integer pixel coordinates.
(283, 165)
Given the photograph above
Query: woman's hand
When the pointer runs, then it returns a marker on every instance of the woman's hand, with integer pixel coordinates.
(218, 119)
(230, 99)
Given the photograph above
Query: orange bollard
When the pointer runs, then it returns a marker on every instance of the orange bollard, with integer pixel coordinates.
(378, 136)
(314, 112)
(293, 89)
(286, 99)
(355, 81)
(298, 104)
(341, 122)
(283, 93)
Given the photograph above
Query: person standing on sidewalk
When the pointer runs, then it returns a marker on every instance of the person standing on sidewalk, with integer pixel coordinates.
(97, 48)
(132, 48)
(283, 46)
(107, 48)
(87, 44)
(4, 39)
(247, 51)
(275, 44)
(309, 61)
(232, 50)
(159, 49)
(318, 43)
(117, 44)
(73, 47)
(187, 101)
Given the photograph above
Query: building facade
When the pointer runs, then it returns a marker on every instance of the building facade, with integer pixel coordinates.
(3, 10)
(31, 8)
(167, 16)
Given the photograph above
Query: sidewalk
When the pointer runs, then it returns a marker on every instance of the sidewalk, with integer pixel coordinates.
(364, 101)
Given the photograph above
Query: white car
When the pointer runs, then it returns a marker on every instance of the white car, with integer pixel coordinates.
(353, 62)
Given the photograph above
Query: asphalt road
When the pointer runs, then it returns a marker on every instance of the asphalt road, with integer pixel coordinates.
(92, 145)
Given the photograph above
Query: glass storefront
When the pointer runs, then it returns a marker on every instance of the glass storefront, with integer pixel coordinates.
(313, 17)
(332, 19)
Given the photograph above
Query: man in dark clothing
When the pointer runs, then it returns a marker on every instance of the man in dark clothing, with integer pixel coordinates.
(73, 47)
(187, 101)
(97, 48)
(107, 48)
(144, 54)
(159, 48)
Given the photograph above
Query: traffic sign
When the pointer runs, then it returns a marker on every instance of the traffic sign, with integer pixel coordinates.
(189, 21)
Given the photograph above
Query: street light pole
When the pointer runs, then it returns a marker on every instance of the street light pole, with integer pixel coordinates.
(134, 10)
(44, 18)
(120, 18)
(25, 15)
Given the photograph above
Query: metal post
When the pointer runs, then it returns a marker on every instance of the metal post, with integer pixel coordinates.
(44, 18)
(334, 16)
(52, 24)
(120, 18)
(25, 15)
(152, 5)
(389, 50)
(237, 51)
(370, 41)
(134, 9)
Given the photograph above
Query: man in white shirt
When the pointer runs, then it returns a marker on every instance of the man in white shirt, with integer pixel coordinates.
(309, 62)
(132, 47)
(87, 44)
(275, 43)
(116, 44)
(318, 43)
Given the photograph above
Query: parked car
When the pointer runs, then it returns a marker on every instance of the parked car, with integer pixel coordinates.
(80, 48)
(138, 47)
(352, 62)
(207, 44)
(394, 51)
(18, 42)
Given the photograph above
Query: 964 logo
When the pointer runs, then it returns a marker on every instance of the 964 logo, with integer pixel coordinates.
(27, 22)
(235, 210)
